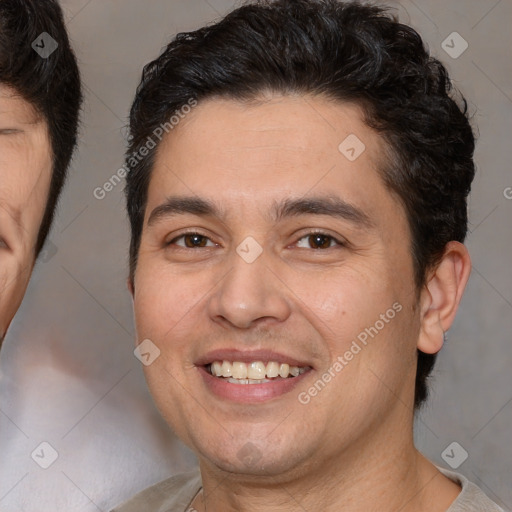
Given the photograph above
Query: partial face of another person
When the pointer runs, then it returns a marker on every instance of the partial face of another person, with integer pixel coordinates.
(295, 254)
(25, 174)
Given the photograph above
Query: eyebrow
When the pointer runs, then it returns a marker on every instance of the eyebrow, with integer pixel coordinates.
(331, 206)
(11, 131)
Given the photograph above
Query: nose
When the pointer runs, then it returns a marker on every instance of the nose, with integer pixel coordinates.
(250, 294)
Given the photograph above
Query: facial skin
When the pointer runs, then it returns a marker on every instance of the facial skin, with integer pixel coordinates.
(25, 174)
(351, 445)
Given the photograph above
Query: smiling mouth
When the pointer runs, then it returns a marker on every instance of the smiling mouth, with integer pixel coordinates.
(256, 372)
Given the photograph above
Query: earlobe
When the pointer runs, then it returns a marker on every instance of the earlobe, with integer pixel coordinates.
(441, 296)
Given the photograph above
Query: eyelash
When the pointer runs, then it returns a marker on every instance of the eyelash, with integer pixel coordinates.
(311, 233)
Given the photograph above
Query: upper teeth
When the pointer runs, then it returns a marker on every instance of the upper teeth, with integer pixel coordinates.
(255, 370)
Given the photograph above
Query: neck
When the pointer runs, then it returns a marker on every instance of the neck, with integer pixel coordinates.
(373, 474)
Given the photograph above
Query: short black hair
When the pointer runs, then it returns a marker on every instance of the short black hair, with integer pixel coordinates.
(51, 84)
(346, 51)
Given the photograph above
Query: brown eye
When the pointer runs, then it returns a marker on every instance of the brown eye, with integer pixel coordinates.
(191, 241)
(318, 241)
(195, 240)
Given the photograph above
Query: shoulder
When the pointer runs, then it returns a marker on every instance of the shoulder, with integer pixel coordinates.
(471, 498)
(171, 495)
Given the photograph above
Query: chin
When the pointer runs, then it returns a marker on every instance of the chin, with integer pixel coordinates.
(247, 458)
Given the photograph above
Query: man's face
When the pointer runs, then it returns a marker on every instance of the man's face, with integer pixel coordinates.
(271, 278)
(25, 173)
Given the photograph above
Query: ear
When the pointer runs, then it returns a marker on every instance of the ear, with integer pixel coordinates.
(441, 296)
(129, 285)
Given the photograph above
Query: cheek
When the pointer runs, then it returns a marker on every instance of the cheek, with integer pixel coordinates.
(342, 303)
(25, 182)
(164, 304)
(365, 320)
(14, 277)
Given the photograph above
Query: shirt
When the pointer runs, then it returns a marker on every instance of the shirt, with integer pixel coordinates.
(176, 494)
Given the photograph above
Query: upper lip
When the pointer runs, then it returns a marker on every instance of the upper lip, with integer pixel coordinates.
(248, 356)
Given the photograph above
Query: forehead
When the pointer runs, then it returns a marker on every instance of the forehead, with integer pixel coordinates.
(306, 124)
(286, 145)
(15, 108)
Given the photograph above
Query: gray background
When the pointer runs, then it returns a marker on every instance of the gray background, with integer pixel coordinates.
(68, 374)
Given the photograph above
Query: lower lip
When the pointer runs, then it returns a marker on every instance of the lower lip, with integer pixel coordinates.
(249, 393)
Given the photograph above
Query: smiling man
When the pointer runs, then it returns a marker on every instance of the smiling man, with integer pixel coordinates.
(40, 98)
(297, 257)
